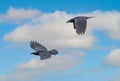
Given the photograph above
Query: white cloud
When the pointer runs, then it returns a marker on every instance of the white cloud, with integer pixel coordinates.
(108, 22)
(36, 68)
(15, 15)
(113, 59)
(52, 30)
(75, 53)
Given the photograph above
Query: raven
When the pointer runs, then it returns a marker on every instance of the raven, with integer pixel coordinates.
(42, 51)
(79, 23)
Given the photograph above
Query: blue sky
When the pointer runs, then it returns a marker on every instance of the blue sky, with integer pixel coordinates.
(90, 57)
(68, 6)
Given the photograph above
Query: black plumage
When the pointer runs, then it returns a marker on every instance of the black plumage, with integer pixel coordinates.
(42, 51)
(79, 23)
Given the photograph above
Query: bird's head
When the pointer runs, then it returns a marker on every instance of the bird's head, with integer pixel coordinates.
(34, 53)
(53, 51)
(70, 21)
(89, 17)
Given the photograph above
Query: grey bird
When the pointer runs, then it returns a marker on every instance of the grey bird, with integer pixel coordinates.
(80, 24)
(42, 51)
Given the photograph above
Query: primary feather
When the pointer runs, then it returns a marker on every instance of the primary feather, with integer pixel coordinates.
(37, 46)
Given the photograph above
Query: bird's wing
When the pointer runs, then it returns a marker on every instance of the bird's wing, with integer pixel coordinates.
(37, 46)
(80, 25)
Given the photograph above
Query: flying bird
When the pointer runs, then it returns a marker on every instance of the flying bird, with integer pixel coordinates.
(79, 23)
(42, 51)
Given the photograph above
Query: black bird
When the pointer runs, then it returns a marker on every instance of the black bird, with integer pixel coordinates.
(79, 23)
(42, 51)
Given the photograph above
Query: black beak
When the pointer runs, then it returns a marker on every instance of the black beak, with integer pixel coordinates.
(89, 17)
(67, 21)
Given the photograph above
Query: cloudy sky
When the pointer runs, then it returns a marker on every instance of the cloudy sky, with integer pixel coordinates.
(94, 56)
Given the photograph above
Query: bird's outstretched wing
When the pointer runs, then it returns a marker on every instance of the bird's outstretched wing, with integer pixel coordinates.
(37, 46)
(80, 25)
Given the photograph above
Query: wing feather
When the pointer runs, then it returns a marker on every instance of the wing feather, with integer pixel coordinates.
(80, 25)
(37, 46)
